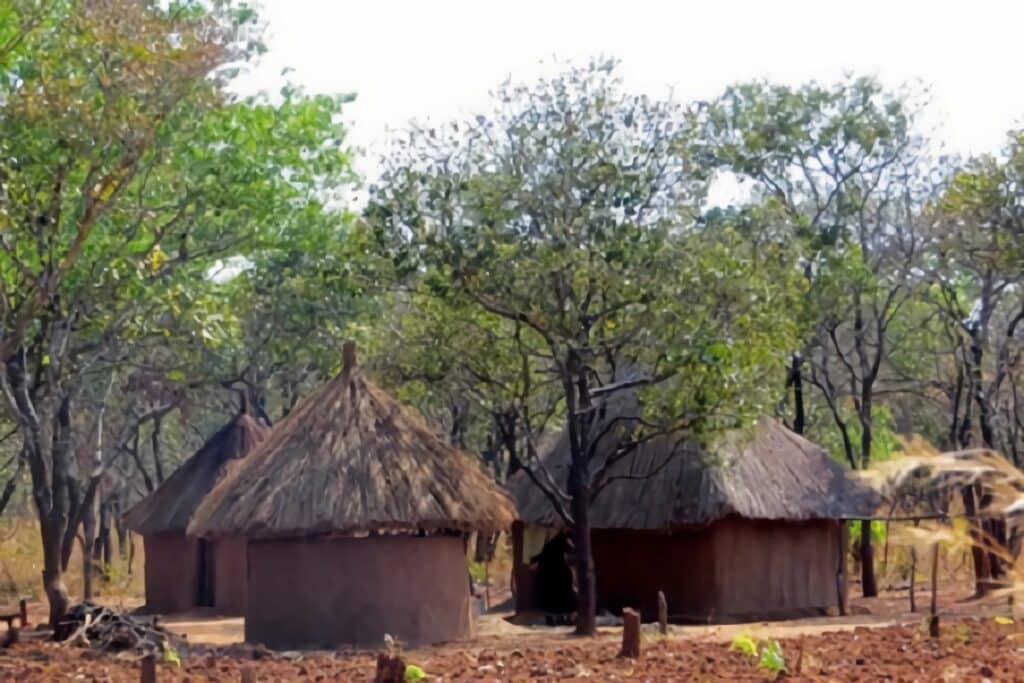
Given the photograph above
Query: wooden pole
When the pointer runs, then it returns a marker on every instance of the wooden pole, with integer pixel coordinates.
(913, 573)
(662, 614)
(933, 622)
(487, 585)
(389, 669)
(841, 569)
(23, 612)
(148, 669)
(630, 633)
(248, 675)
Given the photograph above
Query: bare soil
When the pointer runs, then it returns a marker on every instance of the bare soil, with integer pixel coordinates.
(881, 641)
(968, 650)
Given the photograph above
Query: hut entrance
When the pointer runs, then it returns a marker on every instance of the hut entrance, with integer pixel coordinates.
(556, 592)
(205, 593)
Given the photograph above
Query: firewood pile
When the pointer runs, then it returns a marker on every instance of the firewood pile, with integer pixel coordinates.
(109, 630)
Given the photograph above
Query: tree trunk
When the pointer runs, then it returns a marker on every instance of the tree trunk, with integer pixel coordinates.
(867, 561)
(101, 551)
(53, 573)
(982, 567)
(586, 576)
(158, 465)
(88, 544)
(123, 540)
(797, 380)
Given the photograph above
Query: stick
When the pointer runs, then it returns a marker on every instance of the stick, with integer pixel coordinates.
(662, 614)
(148, 672)
(630, 634)
(933, 623)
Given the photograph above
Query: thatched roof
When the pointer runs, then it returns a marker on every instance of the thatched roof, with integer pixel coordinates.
(169, 508)
(765, 472)
(350, 459)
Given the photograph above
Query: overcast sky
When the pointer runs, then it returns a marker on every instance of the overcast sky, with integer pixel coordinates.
(437, 59)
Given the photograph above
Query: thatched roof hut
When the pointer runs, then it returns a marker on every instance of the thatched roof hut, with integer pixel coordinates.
(765, 472)
(747, 528)
(182, 573)
(355, 511)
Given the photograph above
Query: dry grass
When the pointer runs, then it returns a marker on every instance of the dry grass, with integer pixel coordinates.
(924, 480)
(21, 564)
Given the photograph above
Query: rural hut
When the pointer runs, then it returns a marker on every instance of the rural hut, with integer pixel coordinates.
(355, 511)
(183, 572)
(749, 529)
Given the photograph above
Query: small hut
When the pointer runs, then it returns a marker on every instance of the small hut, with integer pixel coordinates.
(182, 572)
(355, 511)
(747, 530)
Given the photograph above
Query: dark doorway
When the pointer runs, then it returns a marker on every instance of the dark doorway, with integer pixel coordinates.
(555, 577)
(205, 597)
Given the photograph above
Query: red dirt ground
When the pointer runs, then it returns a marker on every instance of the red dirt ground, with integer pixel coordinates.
(881, 640)
(968, 650)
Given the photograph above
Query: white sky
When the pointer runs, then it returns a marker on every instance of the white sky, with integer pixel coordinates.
(437, 59)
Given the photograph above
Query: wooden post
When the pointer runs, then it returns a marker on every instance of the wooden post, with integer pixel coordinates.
(248, 675)
(662, 614)
(23, 612)
(487, 585)
(148, 669)
(630, 633)
(389, 669)
(841, 569)
(913, 572)
(933, 622)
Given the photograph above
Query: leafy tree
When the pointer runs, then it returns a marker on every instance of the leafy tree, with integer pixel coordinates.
(567, 221)
(127, 172)
(844, 162)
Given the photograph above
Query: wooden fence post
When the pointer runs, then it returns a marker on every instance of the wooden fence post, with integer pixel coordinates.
(148, 669)
(630, 633)
(390, 669)
(248, 675)
(933, 622)
(23, 612)
(662, 614)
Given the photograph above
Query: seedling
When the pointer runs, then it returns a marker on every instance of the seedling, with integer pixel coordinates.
(772, 659)
(414, 673)
(744, 644)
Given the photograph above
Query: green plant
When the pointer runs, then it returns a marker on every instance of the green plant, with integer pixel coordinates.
(414, 673)
(478, 571)
(772, 658)
(745, 644)
(171, 655)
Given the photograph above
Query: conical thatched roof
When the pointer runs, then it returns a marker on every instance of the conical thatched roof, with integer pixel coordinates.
(765, 472)
(350, 459)
(170, 507)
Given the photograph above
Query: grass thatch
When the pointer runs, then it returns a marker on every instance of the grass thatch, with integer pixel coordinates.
(350, 459)
(765, 473)
(169, 508)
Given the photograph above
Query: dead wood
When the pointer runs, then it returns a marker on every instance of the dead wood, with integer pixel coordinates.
(108, 630)
(630, 633)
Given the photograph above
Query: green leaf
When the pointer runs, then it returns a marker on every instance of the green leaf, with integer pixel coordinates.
(414, 673)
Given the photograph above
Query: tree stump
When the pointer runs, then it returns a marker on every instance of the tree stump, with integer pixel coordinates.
(148, 669)
(630, 633)
(390, 669)
(662, 614)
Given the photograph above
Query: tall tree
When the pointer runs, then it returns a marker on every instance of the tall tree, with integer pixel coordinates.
(843, 161)
(127, 171)
(567, 220)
